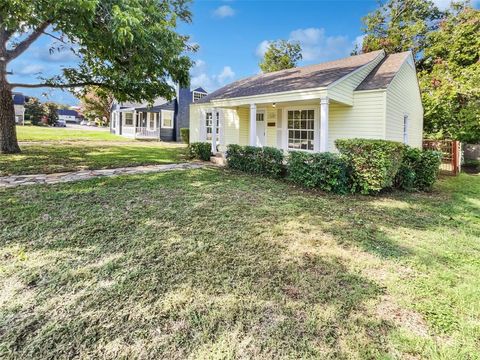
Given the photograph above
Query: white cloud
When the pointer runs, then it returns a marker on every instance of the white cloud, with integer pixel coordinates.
(358, 42)
(224, 11)
(31, 69)
(442, 4)
(200, 77)
(316, 45)
(262, 48)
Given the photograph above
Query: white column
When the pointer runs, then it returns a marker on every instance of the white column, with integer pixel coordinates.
(324, 124)
(221, 131)
(214, 131)
(253, 125)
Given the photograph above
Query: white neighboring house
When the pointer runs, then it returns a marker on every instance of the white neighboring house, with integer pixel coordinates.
(372, 96)
(19, 104)
(68, 116)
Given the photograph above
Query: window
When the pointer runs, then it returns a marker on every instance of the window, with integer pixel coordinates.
(128, 119)
(167, 119)
(151, 121)
(260, 116)
(300, 129)
(198, 95)
(209, 125)
(405, 129)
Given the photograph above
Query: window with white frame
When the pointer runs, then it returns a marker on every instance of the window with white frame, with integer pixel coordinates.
(151, 121)
(209, 125)
(405, 129)
(198, 95)
(260, 116)
(128, 119)
(167, 119)
(301, 129)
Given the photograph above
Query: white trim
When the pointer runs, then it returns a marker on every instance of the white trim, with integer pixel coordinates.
(369, 91)
(316, 124)
(162, 125)
(253, 125)
(324, 119)
(405, 127)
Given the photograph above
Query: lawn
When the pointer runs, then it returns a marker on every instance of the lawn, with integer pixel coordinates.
(75, 151)
(213, 264)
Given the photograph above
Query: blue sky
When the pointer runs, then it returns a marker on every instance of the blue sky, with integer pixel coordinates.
(232, 36)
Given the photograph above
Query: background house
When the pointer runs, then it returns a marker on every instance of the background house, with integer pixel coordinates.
(372, 95)
(69, 116)
(161, 120)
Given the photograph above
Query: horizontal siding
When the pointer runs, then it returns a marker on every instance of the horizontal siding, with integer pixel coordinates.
(403, 97)
(244, 128)
(365, 119)
(195, 116)
(343, 91)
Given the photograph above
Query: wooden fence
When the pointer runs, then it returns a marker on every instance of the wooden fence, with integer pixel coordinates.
(452, 154)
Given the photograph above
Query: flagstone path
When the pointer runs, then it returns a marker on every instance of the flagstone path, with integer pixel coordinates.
(20, 180)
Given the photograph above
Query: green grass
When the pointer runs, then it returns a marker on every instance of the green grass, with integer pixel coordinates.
(75, 151)
(43, 133)
(213, 264)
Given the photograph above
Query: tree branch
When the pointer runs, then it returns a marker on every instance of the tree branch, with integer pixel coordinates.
(25, 44)
(59, 86)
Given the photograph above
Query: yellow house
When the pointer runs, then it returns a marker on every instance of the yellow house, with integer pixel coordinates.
(372, 95)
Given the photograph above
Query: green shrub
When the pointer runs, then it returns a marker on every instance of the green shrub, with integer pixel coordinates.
(185, 135)
(373, 163)
(200, 150)
(419, 169)
(325, 171)
(266, 161)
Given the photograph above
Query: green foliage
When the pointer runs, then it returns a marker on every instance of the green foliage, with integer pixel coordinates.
(200, 150)
(281, 55)
(325, 171)
(51, 113)
(400, 25)
(373, 163)
(34, 110)
(446, 47)
(451, 77)
(265, 161)
(130, 47)
(185, 135)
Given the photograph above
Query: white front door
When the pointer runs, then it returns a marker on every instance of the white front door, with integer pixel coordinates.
(260, 128)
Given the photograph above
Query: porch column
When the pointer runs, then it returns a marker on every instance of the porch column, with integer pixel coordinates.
(214, 131)
(221, 131)
(324, 105)
(253, 125)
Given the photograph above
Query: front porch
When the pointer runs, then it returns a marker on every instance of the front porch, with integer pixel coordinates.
(142, 124)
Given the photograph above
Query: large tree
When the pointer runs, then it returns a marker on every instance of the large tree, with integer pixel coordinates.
(127, 46)
(34, 110)
(281, 55)
(446, 46)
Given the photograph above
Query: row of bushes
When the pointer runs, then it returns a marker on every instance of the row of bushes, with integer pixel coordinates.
(363, 166)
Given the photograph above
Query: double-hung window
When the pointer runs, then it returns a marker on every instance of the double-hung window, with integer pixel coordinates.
(167, 119)
(301, 129)
(128, 119)
(405, 129)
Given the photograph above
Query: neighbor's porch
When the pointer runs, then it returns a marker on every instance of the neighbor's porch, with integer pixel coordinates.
(143, 124)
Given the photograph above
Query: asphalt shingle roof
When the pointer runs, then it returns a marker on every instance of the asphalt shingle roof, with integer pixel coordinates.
(384, 72)
(300, 78)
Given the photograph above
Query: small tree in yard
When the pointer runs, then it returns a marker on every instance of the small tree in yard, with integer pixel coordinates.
(281, 55)
(129, 47)
(96, 103)
(34, 110)
(51, 113)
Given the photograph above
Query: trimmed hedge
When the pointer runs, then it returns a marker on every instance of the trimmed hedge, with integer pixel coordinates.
(325, 171)
(419, 169)
(185, 135)
(200, 150)
(373, 163)
(265, 161)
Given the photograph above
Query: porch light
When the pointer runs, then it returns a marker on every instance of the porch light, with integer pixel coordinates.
(274, 105)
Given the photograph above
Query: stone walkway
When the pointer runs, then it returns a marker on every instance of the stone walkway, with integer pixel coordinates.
(19, 180)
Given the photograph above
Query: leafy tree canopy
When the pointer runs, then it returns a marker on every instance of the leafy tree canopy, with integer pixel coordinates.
(281, 55)
(96, 103)
(446, 46)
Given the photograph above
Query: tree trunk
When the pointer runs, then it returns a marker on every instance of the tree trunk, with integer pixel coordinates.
(8, 133)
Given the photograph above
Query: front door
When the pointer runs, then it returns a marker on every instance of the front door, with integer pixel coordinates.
(260, 129)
